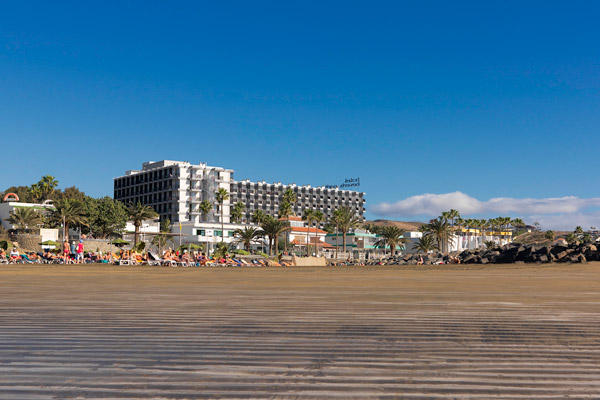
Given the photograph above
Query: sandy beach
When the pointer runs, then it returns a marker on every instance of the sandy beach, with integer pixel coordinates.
(502, 331)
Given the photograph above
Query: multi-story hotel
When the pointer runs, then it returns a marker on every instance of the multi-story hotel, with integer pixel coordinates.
(175, 190)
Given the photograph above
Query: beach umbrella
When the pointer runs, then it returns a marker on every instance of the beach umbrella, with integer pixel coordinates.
(50, 243)
(189, 247)
(120, 242)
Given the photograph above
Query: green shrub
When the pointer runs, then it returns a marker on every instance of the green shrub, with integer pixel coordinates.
(241, 252)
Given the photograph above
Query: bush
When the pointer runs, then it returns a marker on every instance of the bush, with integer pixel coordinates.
(241, 252)
(263, 254)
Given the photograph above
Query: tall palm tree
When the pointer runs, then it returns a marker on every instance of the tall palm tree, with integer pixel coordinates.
(440, 229)
(162, 238)
(334, 227)
(222, 195)
(67, 212)
(273, 228)
(426, 244)
(453, 215)
(205, 208)
(318, 217)
(308, 216)
(47, 185)
(347, 220)
(392, 236)
(289, 196)
(24, 218)
(285, 209)
(483, 225)
(237, 212)
(36, 193)
(138, 213)
(258, 216)
(247, 235)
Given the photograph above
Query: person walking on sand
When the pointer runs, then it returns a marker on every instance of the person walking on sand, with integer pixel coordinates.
(66, 251)
(80, 252)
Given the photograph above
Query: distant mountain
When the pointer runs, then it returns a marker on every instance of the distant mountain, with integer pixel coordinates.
(405, 225)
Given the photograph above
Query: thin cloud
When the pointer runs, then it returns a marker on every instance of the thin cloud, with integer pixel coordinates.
(433, 204)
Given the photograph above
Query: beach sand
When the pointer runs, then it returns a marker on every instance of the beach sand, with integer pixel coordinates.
(481, 332)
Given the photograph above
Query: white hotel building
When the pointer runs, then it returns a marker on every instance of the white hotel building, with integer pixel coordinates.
(175, 190)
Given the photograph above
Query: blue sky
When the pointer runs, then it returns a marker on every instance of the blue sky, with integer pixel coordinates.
(418, 99)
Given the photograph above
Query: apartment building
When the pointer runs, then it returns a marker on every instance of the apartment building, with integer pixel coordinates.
(175, 189)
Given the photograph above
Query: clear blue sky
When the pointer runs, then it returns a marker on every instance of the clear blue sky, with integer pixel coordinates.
(491, 99)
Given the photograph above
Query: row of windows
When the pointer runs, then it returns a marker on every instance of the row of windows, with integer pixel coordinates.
(144, 177)
(219, 233)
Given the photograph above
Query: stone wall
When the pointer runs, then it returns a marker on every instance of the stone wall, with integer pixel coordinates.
(27, 242)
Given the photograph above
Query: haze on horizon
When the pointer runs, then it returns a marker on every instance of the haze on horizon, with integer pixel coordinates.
(492, 109)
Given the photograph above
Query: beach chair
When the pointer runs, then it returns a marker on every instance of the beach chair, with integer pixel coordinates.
(154, 259)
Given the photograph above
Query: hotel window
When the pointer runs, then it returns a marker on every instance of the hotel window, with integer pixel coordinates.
(201, 232)
(218, 233)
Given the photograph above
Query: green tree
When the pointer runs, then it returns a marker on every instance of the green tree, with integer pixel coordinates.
(289, 196)
(25, 218)
(318, 218)
(308, 216)
(138, 213)
(440, 229)
(392, 236)
(247, 235)
(36, 193)
(106, 216)
(578, 230)
(347, 220)
(206, 207)
(237, 212)
(258, 217)
(549, 235)
(453, 215)
(285, 210)
(67, 212)
(273, 228)
(426, 244)
(221, 195)
(47, 185)
(163, 237)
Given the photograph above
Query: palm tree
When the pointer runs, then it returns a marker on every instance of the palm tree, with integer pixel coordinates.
(138, 213)
(273, 228)
(347, 220)
(67, 212)
(237, 212)
(47, 185)
(309, 216)
(222, 195)
(258, 216)
(205, 208)
(440, 229)
(247, 235)
(162, 239)
(36, 192)
(483, 225)
(24, 218)
(426, 244)
(289, 196)
(285, 209)
(453, 215)
(392, 236)
(317, 217)
(578, 230)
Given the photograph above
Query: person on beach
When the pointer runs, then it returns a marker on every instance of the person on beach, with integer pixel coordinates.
(14, 254)
(66, 251)
(79, 251)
